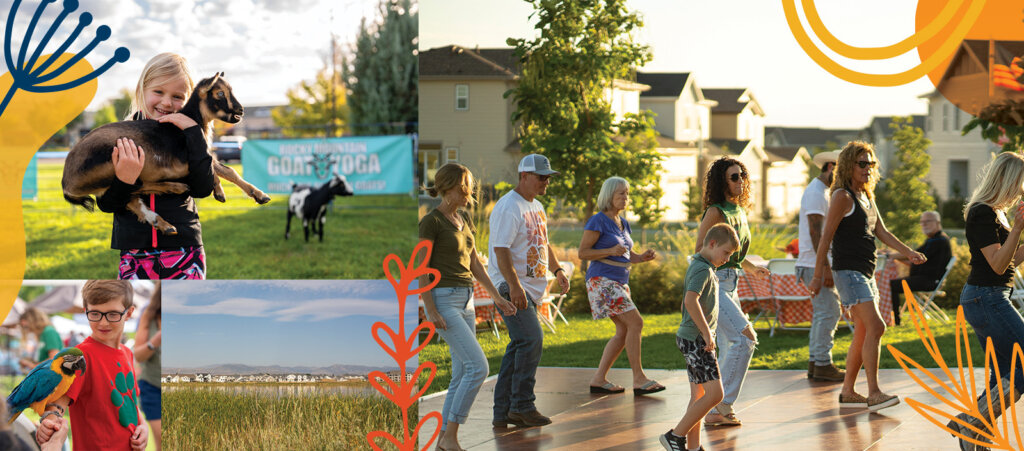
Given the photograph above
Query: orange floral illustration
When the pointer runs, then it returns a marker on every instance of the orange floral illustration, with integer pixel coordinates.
(959, 388)
(405, 393)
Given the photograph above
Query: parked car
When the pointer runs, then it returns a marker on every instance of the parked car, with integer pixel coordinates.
(229, 148)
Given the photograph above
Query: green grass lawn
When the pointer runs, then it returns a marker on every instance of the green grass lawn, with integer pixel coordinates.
(243, 240)
(580, 344)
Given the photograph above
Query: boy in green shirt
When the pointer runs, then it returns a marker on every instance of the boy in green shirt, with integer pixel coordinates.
(695, 337)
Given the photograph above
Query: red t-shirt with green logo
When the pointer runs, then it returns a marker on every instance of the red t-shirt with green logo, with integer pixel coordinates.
(104, 408)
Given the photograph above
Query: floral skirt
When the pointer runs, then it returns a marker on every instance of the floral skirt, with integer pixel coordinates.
(608, 297)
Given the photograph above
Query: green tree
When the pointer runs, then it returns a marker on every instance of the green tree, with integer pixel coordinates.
(582, 48)
(122, 103)
(382, 73)
(906, 193)
(310, 112)
(105, 115)
(694, 200)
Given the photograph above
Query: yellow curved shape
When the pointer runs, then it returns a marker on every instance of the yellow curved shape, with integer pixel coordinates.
(29, 120)
(962, 393)
(880, 80)
(879, 53)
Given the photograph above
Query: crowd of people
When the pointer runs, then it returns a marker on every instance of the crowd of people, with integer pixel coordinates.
(839, 224)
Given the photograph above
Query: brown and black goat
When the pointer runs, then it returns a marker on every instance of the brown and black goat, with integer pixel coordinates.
(89, 171)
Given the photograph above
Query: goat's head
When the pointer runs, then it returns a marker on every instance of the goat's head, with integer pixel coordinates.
(216, 101)
(339, 186)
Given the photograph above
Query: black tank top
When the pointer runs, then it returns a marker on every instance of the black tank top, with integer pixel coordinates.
(853, 245)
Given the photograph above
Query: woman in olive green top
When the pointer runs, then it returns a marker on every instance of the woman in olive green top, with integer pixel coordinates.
(449, 305)
(36, 322)
(726, 198)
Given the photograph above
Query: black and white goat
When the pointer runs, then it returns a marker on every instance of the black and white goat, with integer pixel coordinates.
(310, 204)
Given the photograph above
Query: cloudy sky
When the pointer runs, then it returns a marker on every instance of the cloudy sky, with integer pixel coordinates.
(263, 46)
(729, 44)
(279, 322)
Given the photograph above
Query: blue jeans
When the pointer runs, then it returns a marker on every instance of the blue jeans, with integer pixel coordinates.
(734, 348)
(513, 391)
(854, 287)
(991, 314)
(824, 321)
(469, 364)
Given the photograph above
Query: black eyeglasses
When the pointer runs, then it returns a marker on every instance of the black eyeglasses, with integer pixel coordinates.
(113, 317)
(867, 164)
(542, 178)
(737, 176)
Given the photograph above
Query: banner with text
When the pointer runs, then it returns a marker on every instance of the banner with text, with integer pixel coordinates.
(372, 164)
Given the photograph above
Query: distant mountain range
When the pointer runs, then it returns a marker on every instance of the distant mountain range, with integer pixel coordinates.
(236, 368)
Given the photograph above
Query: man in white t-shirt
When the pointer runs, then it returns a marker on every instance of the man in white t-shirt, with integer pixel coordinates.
(520, 257)
(813, 207)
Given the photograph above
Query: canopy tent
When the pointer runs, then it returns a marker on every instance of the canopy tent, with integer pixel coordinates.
(15, 314)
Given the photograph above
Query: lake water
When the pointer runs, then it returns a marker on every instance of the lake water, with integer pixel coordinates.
(279, 390)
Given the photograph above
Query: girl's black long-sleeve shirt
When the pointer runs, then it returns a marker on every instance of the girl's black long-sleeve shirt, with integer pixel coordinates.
(177, 209)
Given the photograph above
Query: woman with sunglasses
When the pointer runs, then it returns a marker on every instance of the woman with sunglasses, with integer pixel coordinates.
(726, 198)
(851, 226)
(995, 253)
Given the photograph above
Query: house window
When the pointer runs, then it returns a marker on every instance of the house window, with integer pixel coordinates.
(451, 155)
(957, 179)
(956, 118)
(428, 165)
(945, 117)
(461, 97)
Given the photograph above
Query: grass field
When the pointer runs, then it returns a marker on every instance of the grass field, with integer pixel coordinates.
(581, 343)
(243, 240)
(203, 419)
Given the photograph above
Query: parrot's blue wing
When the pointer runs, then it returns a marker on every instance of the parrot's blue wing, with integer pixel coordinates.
(36, 386)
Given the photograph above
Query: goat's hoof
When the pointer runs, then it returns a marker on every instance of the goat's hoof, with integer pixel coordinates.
(170, 231)
(262, 199)
(220, 198)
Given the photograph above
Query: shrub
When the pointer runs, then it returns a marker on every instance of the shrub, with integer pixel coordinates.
(957, 277)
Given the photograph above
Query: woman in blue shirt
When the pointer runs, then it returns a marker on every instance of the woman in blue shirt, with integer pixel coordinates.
(606, 242)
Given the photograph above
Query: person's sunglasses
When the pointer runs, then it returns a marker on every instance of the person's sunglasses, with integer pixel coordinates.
(542, 178)
(113, 317)
(867, 164)
(737, 176)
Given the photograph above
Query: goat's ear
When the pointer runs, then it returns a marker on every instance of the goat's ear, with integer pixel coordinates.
(215, 78)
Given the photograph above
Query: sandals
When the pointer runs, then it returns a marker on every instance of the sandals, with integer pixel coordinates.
(648, 388)
(607, 389)
(724, 419)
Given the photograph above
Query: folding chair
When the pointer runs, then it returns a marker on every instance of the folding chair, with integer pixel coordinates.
(928, 307)
(569, 267)
(792, 299)
(756, 295)
(1017, 295)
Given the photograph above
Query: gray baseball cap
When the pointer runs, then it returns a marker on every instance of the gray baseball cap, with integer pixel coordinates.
(537, 164)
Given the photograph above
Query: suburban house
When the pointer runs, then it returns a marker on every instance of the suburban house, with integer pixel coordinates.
(971, 81)
(785, 180)
(956, 160)
(257, 123)
(463, 114)
(811, 138)
(878, 133)
(683, 119)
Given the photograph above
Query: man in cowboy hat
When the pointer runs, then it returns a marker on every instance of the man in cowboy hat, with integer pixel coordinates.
(813, 206)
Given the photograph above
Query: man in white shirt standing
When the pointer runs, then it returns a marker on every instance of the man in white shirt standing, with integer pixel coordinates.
(520, 257)
(813, 206)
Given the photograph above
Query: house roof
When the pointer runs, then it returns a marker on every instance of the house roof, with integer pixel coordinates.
(728, 99)
(665, 142)
(663, 84)
(881, 123)
(972, 56)
(728, 146)
(782, 153)
(810, 137)
(454, 60)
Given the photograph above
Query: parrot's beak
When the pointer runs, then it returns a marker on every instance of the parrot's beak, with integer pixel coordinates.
(73, 364)
(79, 365)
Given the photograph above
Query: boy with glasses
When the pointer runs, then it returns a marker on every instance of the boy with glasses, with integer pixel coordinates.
(104, 400)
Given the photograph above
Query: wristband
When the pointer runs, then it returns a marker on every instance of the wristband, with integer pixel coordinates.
(555, 272)
(50, 412)
(150, 346)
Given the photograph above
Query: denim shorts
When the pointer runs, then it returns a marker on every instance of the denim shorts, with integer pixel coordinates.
(854, 287)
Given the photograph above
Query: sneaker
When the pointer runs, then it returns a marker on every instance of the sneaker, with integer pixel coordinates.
(964, 430)
(672, 443)
(854, 400)
(829, 373)
(881, 401)
(531, 418)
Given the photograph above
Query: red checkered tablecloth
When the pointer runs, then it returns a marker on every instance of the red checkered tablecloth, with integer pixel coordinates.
(789, 311)
(882, 278)
(754, 294)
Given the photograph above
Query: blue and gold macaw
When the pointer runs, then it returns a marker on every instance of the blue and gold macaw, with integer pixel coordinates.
(46, 383)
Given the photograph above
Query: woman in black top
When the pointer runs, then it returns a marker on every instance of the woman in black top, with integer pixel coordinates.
(854, 221)
(995, 252)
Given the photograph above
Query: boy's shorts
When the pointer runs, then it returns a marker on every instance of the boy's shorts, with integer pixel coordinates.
(701, 365)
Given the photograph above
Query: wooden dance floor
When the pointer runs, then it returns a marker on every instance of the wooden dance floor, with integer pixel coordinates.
(780, 410)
